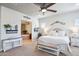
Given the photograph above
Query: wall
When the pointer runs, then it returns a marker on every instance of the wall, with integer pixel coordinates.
(69, 18)
(35, 23)
(12, 17)
(0, 28)
(26, 26)
(29, 27)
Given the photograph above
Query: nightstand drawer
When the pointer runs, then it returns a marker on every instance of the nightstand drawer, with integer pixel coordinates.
(75, 44)
(74, 40)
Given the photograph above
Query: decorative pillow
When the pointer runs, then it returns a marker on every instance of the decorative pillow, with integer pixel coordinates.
(52, 33)
(60, 33)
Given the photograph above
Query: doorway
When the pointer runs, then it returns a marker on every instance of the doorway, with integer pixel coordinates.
(26, 30)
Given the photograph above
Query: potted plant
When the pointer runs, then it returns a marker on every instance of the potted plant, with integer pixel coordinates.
(7, 26)
(25, 32)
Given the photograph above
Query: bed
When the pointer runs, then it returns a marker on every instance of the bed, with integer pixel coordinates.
(56, 42)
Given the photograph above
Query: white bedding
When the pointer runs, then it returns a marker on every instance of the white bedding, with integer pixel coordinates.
(54, 39)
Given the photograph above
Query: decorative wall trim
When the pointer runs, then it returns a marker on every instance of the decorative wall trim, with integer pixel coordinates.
(58, 22)
(26, 17)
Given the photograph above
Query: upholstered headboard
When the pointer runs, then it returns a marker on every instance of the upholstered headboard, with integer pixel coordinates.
(57, 28)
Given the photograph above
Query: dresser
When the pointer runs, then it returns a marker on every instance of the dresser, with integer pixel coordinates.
(10, 43)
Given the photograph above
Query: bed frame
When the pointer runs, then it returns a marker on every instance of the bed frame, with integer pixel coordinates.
(51, 50)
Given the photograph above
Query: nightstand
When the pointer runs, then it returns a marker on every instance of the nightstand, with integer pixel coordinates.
(75, 41)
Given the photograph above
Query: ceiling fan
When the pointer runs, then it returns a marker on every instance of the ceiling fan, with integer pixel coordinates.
(44, 7)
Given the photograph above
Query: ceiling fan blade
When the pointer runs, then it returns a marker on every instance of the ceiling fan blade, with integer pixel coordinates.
(52, 10)
(42, 5)
(49, 5)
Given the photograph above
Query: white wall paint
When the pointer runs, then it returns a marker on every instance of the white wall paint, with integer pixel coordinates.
(9, 16)
(0, 28)
(35, 23)
(12, 17)
(69, 18)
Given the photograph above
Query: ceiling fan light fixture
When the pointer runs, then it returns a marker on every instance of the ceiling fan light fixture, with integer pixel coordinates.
(43, 10)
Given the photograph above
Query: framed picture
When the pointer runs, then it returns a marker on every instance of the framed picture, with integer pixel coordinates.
(36, 29)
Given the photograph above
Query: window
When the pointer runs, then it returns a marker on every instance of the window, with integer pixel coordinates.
(77, 22)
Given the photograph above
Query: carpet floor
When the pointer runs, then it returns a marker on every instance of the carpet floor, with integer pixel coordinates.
(28, 50)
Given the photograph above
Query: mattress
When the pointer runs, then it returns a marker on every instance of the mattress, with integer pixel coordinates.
(53, 40)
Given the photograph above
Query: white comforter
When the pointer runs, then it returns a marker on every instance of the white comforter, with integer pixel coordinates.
(54, 39)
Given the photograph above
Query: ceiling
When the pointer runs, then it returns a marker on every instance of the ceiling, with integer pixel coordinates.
(33, 10)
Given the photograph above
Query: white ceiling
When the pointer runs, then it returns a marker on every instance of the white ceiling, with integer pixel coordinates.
(33, 10)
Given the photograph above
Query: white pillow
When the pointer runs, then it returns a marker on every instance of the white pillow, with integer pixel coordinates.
(52, 33)
(61, 33)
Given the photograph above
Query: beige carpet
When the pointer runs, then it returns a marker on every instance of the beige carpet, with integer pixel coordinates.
(28, 50)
